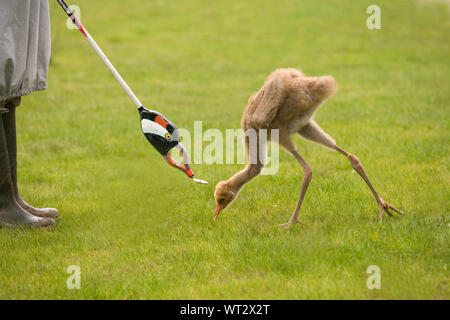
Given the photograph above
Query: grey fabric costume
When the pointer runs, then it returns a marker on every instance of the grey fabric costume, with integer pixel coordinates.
(24, 60)
(24, 47)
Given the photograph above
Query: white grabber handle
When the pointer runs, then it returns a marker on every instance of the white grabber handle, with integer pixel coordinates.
(100, 53)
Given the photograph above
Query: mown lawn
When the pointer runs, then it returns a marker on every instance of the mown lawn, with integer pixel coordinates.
(139, 229)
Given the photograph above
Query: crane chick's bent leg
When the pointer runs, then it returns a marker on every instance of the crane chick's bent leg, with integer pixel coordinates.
(357, 166)
(286, 142)
(313, 132)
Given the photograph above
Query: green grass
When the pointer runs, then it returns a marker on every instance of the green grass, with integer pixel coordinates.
(139, 229)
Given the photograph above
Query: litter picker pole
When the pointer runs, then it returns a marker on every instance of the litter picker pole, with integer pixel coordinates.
(100, 53)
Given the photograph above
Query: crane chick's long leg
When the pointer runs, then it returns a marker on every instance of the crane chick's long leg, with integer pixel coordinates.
(313, 132)
(307, 176)
(357, 166)
(286, 142)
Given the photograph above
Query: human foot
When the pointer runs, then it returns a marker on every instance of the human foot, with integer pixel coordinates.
(38, 212)
(12, 215)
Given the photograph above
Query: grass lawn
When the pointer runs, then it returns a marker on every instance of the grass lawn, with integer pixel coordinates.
(139, 229)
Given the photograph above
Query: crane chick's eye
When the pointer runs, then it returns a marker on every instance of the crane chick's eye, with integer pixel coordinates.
(168, 136)
(221, 200)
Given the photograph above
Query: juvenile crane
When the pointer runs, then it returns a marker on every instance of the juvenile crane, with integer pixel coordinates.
(287, 101)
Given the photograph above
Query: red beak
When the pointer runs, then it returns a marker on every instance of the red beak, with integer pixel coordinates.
(219, 208)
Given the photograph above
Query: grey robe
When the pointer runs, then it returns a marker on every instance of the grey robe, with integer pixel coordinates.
(24, 47)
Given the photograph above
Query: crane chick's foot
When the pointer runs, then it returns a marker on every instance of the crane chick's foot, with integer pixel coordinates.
(385, 207)
(289, 223)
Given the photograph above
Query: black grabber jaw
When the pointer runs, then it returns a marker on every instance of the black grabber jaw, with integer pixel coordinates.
(163, 136)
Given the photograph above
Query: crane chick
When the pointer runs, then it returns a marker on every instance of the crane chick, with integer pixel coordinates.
(287, 101)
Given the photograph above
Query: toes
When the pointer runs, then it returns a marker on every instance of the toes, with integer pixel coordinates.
(288, 224)
(386, 209)
(395, 209)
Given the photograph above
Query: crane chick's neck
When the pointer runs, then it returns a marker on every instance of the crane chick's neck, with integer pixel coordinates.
(238, 180)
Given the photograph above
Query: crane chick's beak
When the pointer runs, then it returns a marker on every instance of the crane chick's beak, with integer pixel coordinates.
(219, 208)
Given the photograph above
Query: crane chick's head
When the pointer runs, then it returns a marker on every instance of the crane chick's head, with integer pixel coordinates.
(224, 195)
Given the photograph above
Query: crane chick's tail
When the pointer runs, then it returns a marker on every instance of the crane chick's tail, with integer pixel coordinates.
(322, 88)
